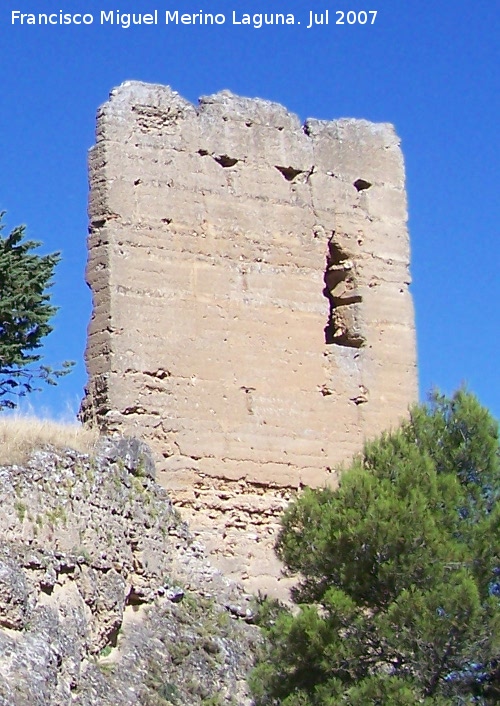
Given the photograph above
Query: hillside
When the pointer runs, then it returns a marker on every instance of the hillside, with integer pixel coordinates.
(105, 598)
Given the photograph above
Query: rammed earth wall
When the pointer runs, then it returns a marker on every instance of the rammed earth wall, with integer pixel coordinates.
(252, 319)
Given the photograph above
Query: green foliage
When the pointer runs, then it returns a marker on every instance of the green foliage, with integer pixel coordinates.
(25, 312)
(399, 573)
(160, 692)
(57, 515)
(20, 510)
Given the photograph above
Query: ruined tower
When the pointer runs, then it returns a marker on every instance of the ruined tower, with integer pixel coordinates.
(251, 313)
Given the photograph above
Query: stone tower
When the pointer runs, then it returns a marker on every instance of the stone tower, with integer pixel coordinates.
(251, 313)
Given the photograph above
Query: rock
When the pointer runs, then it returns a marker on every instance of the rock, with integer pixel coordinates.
(105, 599)
(175, 594)
(13, 595)
(134, 454)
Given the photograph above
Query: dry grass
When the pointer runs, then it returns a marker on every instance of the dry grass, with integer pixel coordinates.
(20, 435)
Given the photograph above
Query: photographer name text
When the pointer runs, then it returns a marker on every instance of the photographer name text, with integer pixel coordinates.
(255, 20)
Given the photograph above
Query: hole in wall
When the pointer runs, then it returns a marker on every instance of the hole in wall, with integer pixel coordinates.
(289, 173)
(361, 184)
(225, 161)
(306, 129)
(341, 292)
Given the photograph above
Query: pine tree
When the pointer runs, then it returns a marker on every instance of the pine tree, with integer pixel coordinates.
(399, 573)
(25, 313)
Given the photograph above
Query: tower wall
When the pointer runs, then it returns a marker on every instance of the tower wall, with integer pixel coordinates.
(252, 319)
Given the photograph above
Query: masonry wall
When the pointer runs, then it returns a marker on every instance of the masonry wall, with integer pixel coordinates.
(252, 319)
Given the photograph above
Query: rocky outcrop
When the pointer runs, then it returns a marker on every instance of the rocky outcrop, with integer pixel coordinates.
(252, 318)
(105, 598)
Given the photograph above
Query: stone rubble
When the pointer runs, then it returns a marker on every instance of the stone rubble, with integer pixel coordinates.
(105, 597)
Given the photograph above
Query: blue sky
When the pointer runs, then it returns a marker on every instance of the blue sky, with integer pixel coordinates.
(429, 68)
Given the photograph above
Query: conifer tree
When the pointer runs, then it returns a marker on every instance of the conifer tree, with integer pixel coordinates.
(25, 313)
(399, 573)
